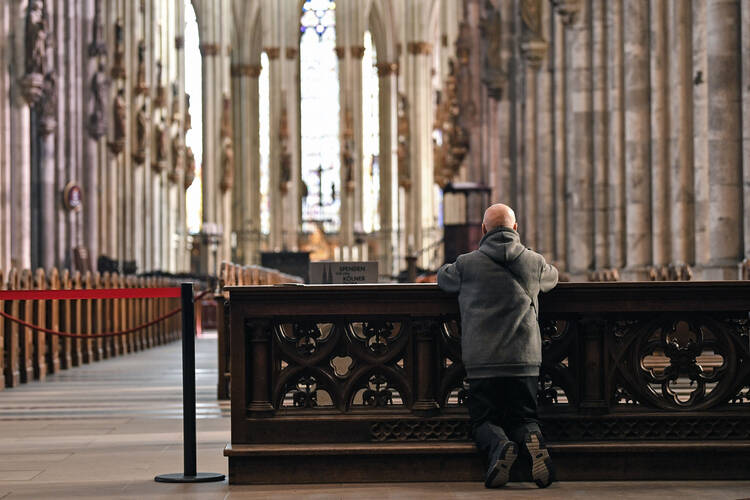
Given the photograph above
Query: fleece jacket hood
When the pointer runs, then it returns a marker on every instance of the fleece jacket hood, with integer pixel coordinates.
(498, 287)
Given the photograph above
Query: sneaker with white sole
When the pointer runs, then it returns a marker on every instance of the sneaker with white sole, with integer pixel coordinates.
(499, 471)
(541, 465)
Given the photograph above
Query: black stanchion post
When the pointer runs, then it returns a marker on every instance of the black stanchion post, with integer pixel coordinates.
(190, 474)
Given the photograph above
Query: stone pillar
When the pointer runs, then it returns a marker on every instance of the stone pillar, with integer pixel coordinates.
(724, 137)
(275, 109)
(292, 206)
(527, 224)
(420, 204)
(560, 98)
(616, 135)
(209, 165)
(600, 126)
(246, 140)
(388, 208)
(346, 134)
(20, 146)
(659, 102)
(637, 137)
(579, 131)
(700, 133)
(545, 145)
(5, 155)
(90, 180)
(680, 155)
(357, 52)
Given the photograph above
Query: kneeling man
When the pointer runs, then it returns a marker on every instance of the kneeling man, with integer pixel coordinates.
(501, 344)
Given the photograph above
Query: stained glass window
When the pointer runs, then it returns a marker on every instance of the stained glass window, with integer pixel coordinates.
(265, 146)
(370, 139)
(319, 107)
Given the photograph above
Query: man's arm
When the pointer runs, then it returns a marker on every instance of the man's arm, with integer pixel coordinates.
(548, 278)
(449, 278)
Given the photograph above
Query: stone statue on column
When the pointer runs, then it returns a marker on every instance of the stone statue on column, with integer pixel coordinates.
(118, 65)
(119, 115)
(494, 75)
(178, 147)
(402, 152)
(227, 148)
(160, 99)
(141, 87)
(188, 124)
(35, 38)
(141, 132)
(161, 140)
(99, 90)
(533, 46)
(189, 167)
(98, 46)
(175, 105)
(285, 159)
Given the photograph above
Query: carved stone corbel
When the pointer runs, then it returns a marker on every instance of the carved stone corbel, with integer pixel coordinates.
(568, 9)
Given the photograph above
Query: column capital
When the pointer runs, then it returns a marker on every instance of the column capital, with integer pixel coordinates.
(209, 49)
(415, 48)
(272, 52)
(340, 51)
(291, 53)
(387, 68)
(249, 70)
(357, 52)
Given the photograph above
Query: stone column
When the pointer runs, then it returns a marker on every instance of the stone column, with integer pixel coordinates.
(20, 146)
(90, 180)
(388, 208)
(246, 140)
(700, 133)
(527, 223)
(680, 153)
(292, 206)
(616, 136)
(420, 204)
(560, 96)
(357, 52)
(545, 145)
(346, 134)
(600, 124)
(579, 131)
(275, 108)
(724, 137)
(5, 165)
(659, 97)
(637, 137)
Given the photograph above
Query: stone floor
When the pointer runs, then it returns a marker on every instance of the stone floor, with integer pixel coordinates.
(105, 430)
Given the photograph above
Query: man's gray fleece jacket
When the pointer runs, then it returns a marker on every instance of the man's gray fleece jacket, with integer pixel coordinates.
(497, 288)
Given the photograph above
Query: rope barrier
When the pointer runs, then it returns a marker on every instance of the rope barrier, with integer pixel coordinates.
(161, 318)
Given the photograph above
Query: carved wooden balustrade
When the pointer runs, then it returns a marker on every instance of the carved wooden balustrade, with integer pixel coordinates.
(365, 383)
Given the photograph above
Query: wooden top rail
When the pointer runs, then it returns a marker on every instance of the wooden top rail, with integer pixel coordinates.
(428, 299)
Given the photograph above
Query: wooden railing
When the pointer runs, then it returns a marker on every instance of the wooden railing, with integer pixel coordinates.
(359, 383)
(238, 275)
(27, 354)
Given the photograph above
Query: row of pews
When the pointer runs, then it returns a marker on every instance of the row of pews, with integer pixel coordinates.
(237, 275)
(27, 354)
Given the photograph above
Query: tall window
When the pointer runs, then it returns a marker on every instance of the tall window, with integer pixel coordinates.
(194, 136)
(265, 147)
(371, 138)
(319, 106)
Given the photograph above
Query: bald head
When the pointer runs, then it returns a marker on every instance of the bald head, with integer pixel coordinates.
(498, 215)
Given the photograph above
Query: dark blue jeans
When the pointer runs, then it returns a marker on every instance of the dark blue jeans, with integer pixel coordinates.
(502, 408)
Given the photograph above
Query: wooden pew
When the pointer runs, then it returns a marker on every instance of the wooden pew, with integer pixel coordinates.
(40, 338)
(53, 323)
(27, 334)
(13, 343)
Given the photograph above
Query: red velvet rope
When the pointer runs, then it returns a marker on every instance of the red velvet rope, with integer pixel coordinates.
(171, 313)
(101, 293)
